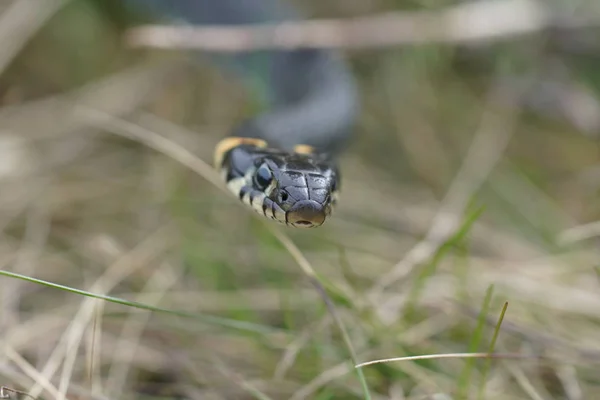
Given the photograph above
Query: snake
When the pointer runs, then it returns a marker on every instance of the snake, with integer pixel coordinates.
(283, 162)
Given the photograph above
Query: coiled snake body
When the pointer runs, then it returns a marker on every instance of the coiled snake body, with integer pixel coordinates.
(280, 163)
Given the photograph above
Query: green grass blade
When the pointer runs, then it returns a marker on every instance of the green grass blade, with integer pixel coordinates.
(207, 319)
(488, 361)
(465, 377)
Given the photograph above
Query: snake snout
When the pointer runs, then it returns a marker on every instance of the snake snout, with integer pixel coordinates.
(306, 213)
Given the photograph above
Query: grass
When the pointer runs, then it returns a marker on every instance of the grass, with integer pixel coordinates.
(128, 273)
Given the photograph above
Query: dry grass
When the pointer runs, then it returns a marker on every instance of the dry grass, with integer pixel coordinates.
(460, 177)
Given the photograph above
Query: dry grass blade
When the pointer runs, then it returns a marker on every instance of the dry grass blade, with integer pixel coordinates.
(580, 233)
(525, 383)
(20, 22)
(4, 393)
(568, 377)
(152, 140)
(469, 22)
(94, 351)
(448, 355)
(33, 373)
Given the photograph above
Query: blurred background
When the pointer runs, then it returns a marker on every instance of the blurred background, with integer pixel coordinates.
(475, 165)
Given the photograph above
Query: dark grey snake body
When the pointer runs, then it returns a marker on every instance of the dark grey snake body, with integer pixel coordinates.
(311, 107)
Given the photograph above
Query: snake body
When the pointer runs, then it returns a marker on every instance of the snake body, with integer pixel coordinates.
(281, 163)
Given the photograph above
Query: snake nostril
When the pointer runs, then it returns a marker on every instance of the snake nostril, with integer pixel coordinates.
(306, 213)
(283, 196)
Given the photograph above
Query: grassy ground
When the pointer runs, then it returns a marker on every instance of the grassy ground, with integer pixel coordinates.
(458, 196)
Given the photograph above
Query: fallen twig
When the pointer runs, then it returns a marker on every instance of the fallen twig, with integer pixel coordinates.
(470, 22)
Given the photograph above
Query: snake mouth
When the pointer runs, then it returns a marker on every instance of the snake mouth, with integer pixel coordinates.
(306, 214)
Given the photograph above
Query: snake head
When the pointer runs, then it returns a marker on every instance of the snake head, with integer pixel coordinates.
(297, 188)
(300, 190)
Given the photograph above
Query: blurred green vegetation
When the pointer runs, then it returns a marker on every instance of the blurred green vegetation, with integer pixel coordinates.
(83, 201)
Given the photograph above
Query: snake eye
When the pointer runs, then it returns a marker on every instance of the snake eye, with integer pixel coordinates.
(263, 177)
